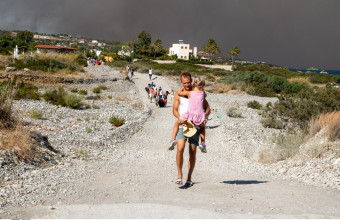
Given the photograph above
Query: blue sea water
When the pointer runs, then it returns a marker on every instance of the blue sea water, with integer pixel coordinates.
(329, 72)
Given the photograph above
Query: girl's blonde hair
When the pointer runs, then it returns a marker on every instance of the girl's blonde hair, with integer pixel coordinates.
(199, 83)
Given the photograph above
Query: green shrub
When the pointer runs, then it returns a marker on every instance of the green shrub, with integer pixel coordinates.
(116, 121)
(73, 101)
(47, 62)
(27, 91)
(82, 92)
(109, 96)
(254, 104)
(261, 91)
(286, 146)
(270, 122)
(74, 90)
(56, 97)
(96, 90)
(301, 108)
(102, 87)
(36, 113)
(233, 113)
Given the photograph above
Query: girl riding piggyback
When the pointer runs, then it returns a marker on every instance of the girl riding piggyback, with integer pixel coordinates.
(195, 112)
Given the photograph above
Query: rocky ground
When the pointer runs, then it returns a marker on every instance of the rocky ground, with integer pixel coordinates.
(129, 166)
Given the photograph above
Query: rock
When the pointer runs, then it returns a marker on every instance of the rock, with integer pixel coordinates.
(26, 69)
(10, 69)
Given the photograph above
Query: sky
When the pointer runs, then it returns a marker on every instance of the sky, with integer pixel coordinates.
(290, 33)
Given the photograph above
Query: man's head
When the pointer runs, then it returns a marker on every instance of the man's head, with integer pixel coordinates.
(186, 81)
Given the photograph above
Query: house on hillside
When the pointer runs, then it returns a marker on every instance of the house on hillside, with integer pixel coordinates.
(182, 50)
(54, 49)
(125, 51)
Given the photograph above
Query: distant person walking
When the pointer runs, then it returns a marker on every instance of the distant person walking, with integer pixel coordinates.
(150, 73)
(132, 72)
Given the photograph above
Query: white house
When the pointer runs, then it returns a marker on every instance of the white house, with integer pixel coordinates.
(126, 51)
(182, 50)
(94, 41)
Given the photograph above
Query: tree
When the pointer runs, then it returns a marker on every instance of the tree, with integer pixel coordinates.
(142, 45)
(211, 48)
(6, 37)
(234, 52)
(157, 46)
(26, 36)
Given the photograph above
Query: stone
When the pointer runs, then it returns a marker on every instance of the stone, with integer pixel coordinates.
(10, 69)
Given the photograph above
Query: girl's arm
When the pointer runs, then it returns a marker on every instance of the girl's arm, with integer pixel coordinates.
(182, 92)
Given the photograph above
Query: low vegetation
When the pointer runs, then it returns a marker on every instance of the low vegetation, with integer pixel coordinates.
(116, 121)
(50, 62)
(60, 97)
(36, 113)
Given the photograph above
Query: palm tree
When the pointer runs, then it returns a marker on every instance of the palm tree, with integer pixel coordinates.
(211, 48)
(234, 51)
(156, 46)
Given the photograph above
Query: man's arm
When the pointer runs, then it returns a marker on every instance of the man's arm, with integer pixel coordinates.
(175, 106)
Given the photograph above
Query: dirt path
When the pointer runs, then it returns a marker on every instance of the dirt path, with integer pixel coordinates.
(139, 182)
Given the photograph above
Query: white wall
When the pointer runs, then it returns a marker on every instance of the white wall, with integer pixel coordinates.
(182, 51)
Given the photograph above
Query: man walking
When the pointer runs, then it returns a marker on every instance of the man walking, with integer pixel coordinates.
(180, 106)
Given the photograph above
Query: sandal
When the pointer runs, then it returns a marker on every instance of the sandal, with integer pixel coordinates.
(179, 181)
(189, 183)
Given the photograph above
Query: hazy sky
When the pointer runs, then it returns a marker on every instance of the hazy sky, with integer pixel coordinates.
(292, 33)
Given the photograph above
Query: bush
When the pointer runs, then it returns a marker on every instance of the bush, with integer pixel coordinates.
(286, 146)
(270, 122)
(36, 113)
(27, 91)
(301, 108)
(55, 97)
(254, 104)
(82, 92)
(116, 121)
(48, 62)
(96, 90)
(102, 87)
(74, 90)
(233, 113)
(73, 101)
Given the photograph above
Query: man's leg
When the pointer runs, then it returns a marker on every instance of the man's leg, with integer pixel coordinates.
(179, 156)
(192, 160)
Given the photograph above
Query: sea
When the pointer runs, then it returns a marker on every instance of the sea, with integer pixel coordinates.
(329, 72)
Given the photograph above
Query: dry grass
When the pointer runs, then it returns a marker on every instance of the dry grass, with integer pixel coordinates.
(218, 88)
(285, 146)
(301, 80)
(331, 121)
(19, 141)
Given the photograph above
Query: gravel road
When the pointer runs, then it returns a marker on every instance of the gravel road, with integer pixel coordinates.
(135, 178)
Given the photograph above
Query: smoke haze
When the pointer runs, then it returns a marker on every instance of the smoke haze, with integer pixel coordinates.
(290, 33)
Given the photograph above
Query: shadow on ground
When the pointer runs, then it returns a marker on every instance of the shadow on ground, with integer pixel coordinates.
(244, 182)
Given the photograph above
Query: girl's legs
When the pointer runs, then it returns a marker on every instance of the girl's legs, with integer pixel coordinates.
(173, 141)
(202, 132)
(202, 135)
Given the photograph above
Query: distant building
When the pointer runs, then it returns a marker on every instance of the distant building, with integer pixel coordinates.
(102, 44)
(182, 50)
(54, 49)
(126, 51)
(94, 41)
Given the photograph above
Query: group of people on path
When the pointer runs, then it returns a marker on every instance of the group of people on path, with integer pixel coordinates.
(158, 95)
(129, 70)
(93, 62)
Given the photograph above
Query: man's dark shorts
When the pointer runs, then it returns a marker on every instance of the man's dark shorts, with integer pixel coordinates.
(192, 140)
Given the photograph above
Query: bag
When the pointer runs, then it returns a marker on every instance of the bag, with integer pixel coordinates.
(161, 103)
